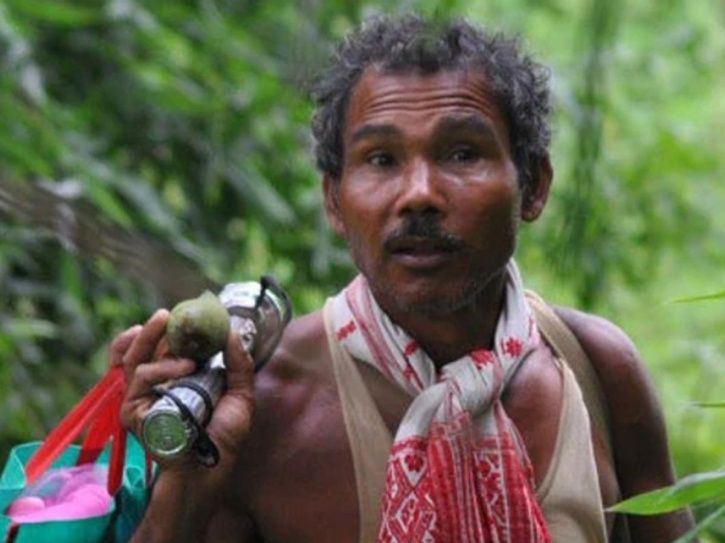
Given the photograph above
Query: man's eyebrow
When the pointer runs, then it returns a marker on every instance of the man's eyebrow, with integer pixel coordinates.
(374, 130)
(470, 124)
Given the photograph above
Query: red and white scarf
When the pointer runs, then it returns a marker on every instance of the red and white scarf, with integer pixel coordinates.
(458, 471)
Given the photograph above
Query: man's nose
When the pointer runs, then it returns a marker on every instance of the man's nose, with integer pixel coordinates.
(421, 190)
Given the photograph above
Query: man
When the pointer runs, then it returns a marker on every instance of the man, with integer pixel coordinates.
(433, 145)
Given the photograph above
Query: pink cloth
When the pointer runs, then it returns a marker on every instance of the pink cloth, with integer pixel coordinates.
(458, 470)
(63, 494)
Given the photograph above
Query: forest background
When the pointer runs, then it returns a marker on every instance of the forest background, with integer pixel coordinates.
(144, 145)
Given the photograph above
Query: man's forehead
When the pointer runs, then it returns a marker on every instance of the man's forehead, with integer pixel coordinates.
(380, 95)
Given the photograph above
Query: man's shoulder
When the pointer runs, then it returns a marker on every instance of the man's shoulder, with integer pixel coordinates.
(639, 437)
(610, 350)
(624, 378)
(291, 387)
(298, 382)
(299, 360)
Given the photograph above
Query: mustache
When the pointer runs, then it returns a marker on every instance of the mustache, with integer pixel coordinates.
(424, 228)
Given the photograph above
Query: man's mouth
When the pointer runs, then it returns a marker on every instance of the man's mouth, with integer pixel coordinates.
(422, 252)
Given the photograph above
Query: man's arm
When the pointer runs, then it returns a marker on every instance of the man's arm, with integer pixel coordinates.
(639, 437)
(185, 507)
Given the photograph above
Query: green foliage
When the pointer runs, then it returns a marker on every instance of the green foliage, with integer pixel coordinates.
(702, 488)
(704, 524)
(690, 490)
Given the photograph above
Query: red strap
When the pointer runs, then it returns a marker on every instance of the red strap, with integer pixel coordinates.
(106, 426)
(98, 435)
(12, 533)
(118, 458)
(108, 391)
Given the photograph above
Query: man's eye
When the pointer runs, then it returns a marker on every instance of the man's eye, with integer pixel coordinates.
(463, 154)
(380, 159)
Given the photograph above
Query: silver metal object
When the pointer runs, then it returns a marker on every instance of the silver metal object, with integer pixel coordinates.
(259, 312)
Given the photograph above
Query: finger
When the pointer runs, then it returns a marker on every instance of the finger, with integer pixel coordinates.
(120, 345)
(162, 349)
(147, 376)
(140, 395)
(144, 344)
(239, 364)
(233, 415)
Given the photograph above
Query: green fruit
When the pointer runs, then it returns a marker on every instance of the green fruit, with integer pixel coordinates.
(198, 328)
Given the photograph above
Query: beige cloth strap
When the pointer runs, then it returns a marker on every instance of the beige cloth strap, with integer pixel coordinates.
(370, 439)
(567, 346)
(569, 493)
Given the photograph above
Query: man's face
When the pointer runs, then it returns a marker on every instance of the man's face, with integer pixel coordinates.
(428, 198)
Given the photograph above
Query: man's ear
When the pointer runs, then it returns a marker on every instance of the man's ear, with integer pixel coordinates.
(332, 207)
(536, 193)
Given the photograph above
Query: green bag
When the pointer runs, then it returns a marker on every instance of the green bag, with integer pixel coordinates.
(106, 443)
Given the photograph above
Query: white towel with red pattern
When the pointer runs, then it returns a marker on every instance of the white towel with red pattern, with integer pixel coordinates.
(458, 470)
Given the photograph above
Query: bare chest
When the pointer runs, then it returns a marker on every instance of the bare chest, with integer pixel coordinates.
(303, 487)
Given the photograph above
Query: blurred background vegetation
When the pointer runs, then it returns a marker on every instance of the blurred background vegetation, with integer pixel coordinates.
(146, 144)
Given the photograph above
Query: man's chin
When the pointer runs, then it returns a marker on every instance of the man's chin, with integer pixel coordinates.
(425, 302)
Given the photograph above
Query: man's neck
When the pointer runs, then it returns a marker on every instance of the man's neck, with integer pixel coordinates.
(447, 337)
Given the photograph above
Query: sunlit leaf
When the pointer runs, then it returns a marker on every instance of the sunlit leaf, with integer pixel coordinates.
(689, 490)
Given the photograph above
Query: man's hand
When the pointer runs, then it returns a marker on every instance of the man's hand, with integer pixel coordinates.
(144, 355)
(185, 498)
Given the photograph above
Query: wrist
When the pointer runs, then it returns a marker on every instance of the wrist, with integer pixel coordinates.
(184, 498)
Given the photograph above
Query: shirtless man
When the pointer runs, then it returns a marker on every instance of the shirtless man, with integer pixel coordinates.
(433, 142)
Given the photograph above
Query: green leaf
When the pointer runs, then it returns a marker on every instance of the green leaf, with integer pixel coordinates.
(107, 202)
(21, 155)
(702, 525)
(703, 298)
(252, 186)
(53, 11)
(30, 328)
(708, 405)
(696, 488)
